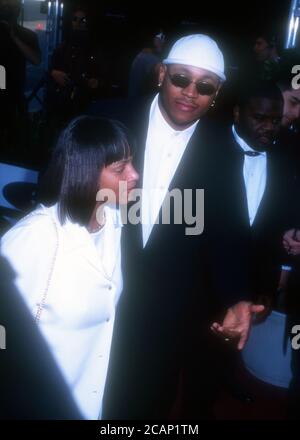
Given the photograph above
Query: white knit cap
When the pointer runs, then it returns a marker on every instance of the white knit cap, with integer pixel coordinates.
(198, 51)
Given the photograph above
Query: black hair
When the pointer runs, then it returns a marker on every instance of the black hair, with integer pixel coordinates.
(258, 89)
(269, 36)
(79, 8)
(84, 148)
(146, 36)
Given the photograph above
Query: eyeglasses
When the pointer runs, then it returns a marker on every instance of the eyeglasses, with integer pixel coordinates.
(182, 81)
(79, 19)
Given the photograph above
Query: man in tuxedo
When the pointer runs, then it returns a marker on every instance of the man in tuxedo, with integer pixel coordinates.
(267, 183)
(175, 283)
(265, 193)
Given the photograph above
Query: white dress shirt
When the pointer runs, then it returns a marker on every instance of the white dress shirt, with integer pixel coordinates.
(164, 150)
(78, 316)
(255, 176)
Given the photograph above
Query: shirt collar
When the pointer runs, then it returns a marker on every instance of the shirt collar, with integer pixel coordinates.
(244, 146)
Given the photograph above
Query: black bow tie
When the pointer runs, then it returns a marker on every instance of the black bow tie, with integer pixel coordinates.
(251, 153)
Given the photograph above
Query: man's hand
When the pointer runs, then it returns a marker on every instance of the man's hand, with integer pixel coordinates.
(268, 302)
(291, 242)
(237, 322)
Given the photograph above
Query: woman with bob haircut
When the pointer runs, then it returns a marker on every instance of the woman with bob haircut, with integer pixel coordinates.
(66, 253)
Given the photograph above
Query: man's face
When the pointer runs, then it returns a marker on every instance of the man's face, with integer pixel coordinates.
(182, 106)
(79, 21)
(262, 49)
(291, 110)
(258, 123)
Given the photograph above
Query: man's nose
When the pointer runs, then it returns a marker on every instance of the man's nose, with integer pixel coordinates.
(190, 90)
(270, 125)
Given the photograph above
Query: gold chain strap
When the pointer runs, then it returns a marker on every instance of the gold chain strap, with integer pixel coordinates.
(44, 297)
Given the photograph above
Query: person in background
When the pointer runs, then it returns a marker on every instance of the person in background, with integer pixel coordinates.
(18, 46)
(290, 88)
(77, 73)
(143, 77)
(266, 54)
(263, 191)
(265, 48)
(66, 254)
(268, 180)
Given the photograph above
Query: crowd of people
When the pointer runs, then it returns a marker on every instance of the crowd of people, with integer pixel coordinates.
(137, 314)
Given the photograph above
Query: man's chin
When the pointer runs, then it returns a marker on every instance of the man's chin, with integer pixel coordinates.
(262, 147)
(180, 123)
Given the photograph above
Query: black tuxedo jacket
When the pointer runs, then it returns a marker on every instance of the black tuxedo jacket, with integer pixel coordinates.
(277, 212)
(176, 278)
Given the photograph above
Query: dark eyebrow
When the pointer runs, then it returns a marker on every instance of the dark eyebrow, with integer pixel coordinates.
(122, 162)
(266, 115)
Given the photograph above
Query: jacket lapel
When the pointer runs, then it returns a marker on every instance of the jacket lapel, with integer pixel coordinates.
(139, 127)
(240, 189)
(267, 200)
(188, 174)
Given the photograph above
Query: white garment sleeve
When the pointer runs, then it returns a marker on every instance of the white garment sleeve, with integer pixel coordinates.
(29, 247)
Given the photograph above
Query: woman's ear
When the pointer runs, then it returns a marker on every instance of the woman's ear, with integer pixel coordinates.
(236, 114)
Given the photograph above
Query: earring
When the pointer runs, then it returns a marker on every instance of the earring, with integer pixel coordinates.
(159, 84)
(213, 103)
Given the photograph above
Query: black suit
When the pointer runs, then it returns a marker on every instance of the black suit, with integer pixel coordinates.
(276, 213)
(174, 281)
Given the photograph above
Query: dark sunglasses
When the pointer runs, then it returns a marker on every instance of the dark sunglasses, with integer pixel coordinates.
(79, 19)
(182, 81)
